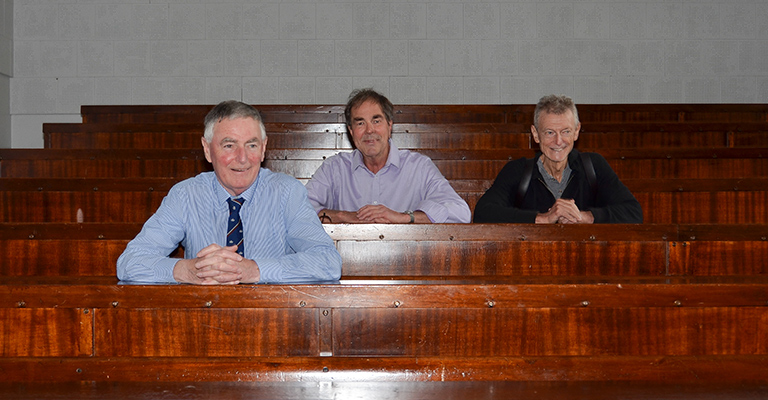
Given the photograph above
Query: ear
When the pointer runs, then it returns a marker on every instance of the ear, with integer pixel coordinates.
(576, 134)
(534, 134)
(206, 149)
(263, 148)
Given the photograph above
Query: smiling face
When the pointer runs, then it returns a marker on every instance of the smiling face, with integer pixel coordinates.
(236, 152)
(556, 134)
(370, 132)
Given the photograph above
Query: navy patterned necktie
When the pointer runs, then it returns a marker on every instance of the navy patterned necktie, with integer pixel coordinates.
(235, 226)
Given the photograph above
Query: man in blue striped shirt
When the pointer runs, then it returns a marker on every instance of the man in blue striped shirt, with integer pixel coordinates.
(283, 239)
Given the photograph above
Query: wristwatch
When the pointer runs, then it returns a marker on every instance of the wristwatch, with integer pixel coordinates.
(409, 212)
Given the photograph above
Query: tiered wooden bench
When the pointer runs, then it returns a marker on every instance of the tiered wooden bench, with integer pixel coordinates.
(467, 136)
(440, 113)
(468, 164)
(659, 308)
(579, 303)
(664, 201)
(439, 251)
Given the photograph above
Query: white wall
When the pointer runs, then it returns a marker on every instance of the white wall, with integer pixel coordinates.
(6, 70)
(70, 52)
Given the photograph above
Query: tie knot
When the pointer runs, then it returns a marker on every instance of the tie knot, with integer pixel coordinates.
(235, 204)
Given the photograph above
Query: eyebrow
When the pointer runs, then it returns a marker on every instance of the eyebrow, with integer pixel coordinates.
(355, 119)
(230, 140)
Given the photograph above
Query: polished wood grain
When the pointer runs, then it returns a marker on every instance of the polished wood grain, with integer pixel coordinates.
(491, 149)
(150, 184)
(46, 332)
(181, 136)
(70, 231)
(196, 113)
(415, 136)
(585, 331)
(690, 168)
(516, 258)
(602, 316)
(534, 328)
(440, 113)
(484, 390)
(72, 206)
(667, 302)
(299, 113)
(85, 168)
(68, 257)
(183, 332)
(437, 251)
(704, 257)
(664, 201)
(387, 293)
(684, 374)
(664, 168)
(733, 207)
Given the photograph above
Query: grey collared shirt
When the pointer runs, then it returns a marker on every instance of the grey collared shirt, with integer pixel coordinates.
(553, 185)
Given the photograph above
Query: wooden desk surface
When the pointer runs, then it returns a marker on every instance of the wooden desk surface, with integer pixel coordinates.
(483, 390)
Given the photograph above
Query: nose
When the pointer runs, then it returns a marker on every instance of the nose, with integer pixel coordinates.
(558, 138)
(240, 155)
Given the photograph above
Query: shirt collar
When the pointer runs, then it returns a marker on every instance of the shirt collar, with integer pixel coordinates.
(392, 159)
(222, 195)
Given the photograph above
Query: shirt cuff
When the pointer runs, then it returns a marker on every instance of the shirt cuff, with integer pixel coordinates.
(269, 271)
(164, 270)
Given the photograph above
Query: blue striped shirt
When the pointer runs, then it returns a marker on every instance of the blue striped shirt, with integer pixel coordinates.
(282, 232)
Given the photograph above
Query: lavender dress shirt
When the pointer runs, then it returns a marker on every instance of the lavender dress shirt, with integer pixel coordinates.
(408, 181)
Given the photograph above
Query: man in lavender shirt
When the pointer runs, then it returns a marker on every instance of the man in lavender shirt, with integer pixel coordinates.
(377, 182)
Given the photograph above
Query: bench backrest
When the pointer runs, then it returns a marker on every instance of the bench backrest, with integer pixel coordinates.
(438, 251)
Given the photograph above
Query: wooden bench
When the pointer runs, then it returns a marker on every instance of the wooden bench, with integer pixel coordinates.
(303, 113)
(658, 329)
(438, 251)
(459, 136)
(96, 163)
(658, 303)
(440, 113)
(664, 201)
(301, 164)
(430, 390)
(81, 199)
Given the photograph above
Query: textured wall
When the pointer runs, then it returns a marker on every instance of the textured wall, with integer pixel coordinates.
(6, 70)
(70, 52)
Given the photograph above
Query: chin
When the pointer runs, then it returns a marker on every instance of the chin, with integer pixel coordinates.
(558, 156)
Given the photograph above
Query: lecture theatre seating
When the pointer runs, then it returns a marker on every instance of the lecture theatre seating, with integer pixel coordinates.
(672, 307)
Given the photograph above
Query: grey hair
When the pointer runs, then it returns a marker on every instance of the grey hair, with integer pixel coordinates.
(360, 96)
(554, 104)
(231, 109)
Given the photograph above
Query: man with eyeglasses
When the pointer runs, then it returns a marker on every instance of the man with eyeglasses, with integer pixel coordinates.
(560, 184)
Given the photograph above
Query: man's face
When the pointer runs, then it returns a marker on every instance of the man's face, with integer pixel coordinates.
(370, 130)
(556, 135)
(236, 152)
